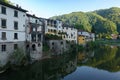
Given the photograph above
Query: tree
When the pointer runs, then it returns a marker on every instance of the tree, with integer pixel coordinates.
(6, 1)
(105, 21)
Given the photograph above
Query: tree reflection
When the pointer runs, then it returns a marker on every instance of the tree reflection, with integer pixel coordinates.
(53, 68)
(104, 57)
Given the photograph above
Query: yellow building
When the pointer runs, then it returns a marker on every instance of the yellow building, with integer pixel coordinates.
(81, 39)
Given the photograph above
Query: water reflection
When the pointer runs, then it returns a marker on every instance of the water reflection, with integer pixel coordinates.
(54, 68)
(102, 63)
(105, 57)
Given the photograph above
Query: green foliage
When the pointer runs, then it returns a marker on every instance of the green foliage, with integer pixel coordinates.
(46, 47)
(92, 45)
(78, 19)
(6, 1)
(105, 57)
(80, 47)
(62, 33)
(105, 21)
(52, 37)
(101, 25)
(112, 14)
(18, 57)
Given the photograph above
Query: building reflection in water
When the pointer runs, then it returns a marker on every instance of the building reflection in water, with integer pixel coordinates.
(54, 68)
(106, 58)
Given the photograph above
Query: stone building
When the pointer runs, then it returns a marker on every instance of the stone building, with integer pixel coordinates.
(34, 37)
(58, 46)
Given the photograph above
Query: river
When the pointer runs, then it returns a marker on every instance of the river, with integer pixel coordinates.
(102, 63)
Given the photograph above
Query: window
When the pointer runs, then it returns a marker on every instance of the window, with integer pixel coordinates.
(23, 15)
(52, 43)
(55, 31)
(3, 48)
(3, 35)
(15, 13)
(3, 23)
(61, 43)
(35, 21)
(64, 36)
(15, 36)
(34, 29)
(71, 35)
(33, 35)
(27, 47)
(66, 27)
(3, 10)
(39, 45)
(39, 37)
(48, 30)
(15, 25)
(51, 30)
(15, 46)
(33, 47)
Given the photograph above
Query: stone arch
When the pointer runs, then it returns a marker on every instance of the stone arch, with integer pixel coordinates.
(27, 46)
(33, 47)
(39, 44)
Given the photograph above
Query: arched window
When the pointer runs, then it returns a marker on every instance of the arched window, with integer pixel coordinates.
(39, 37)
(52, 43)
(39, 45)
(27, 46)
(33, 47)
(61, 43)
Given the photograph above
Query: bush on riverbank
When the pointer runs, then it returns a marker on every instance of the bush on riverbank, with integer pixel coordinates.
(18, 57)
(89, 46)
(52, 37)
(46, 47)
(80, 47)
(92, 45)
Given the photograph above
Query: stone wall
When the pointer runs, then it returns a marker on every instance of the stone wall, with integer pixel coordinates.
(34, 50)
(58, 46)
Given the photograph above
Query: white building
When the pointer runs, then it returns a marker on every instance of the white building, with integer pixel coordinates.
(21, 30)
(34, 37)
(71, 33)
(12, 29)
(58, 28)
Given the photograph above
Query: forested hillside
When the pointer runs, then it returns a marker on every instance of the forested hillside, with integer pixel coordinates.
(112, 14)
(104, 21)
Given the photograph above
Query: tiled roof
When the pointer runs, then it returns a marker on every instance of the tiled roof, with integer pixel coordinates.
(29, 15)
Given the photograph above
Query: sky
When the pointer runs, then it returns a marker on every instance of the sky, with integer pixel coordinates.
(49, 8)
